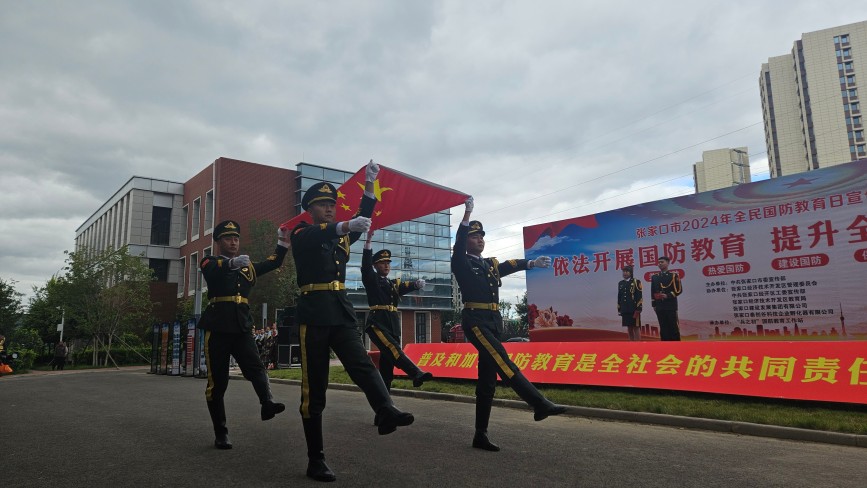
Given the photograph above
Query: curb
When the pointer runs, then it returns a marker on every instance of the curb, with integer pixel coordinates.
(729, 426)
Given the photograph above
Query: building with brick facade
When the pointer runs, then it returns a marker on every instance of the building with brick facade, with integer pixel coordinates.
(171, 226)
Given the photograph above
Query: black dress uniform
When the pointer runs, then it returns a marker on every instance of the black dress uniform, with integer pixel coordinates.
(228, 330)
(629, 301)
(326, 320)
(669, 284)
(383, 323)
(479, 280)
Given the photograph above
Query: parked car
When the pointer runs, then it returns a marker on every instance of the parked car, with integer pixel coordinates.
(518, 339)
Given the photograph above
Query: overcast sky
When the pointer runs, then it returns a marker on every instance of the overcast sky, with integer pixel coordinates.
(542, 110)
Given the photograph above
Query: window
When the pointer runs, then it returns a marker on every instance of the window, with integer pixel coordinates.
(852, 148)
(206, 252)
(839, 66)
(848, 65)
(185, 215)
(209, 211)
(838, 53)
(856, 120)
(859, 134)
(161, 226)
(836, 39)
(194, 274)
(842, 80)
(197, 211)
(855, 106)
(850, 79)
(861, 149)
(844, 38)
(853, 93)
(421, 327)
(847, 52)
(160, 268)
(181, 275)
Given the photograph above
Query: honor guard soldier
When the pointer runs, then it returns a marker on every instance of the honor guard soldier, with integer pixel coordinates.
(383, 323)
(629, 302)
(479, 280)
(326, 318)
(228, 324)
(664, 288)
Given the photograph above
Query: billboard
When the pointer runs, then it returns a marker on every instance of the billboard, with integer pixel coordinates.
(780, 259)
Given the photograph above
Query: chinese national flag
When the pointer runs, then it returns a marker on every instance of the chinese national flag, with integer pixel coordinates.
(399, 197)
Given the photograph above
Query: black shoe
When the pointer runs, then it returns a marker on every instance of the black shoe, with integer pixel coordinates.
(223, 442)
(548, 410)
(481, 441)
(319, 471)
(421, 378)
(270, 409)
(390, 418)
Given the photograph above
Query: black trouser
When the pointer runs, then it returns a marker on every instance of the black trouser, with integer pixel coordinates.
(59, 363)
(493, 361)
(390, 354)
(345, 341)
(669, 325)
(242, 346)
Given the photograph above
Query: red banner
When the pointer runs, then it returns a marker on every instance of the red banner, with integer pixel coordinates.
(400, 197)
(822, 371)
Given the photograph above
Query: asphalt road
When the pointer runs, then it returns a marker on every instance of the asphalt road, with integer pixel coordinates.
(131, 429)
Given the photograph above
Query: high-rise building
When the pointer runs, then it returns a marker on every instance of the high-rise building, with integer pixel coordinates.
(810, 101)
(721, 168)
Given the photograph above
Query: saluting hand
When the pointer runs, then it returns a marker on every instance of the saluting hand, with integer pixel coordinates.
(239, 261)
(367, 243)
(359, 224)
(371, 172)
(419, 284)
(283, 236)
(541, 262)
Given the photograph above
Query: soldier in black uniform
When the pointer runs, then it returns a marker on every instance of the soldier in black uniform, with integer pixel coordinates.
(479, 280)
(629, 303)
(383, 323)
(326, 318)
(664, 288)
(228, 324)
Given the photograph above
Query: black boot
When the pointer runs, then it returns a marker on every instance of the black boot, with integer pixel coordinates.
(218, 418)
(421, 378)
(481, 441)
(316, 467)
(270, 409)
(546, 410)
(390, 418)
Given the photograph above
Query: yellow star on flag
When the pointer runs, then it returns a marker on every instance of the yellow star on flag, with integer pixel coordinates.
(340, 194)
(344, 206)
(377, 190)
(378, 213)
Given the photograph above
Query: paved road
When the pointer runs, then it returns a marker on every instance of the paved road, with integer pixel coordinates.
(131, 429)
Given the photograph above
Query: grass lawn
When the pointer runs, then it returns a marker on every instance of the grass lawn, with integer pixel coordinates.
(849, 418)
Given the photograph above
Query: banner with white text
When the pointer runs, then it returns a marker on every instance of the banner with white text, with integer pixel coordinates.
(780, 259)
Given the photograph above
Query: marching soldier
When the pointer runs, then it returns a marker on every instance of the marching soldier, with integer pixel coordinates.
(479, 280)
(383, 323)
(228, 324)
(664, 288)
(327, 320)
(629, 302)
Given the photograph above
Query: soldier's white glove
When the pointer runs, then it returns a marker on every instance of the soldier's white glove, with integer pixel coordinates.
(469, 204)
(239, 261)
(359, 224)
(371, 171)
(540, 262)
(283, 236)
(419, 284)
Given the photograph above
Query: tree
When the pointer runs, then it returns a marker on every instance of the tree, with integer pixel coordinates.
(10, 306)
(45, 311)
(106, 293)
(523, 312)
(278, 288)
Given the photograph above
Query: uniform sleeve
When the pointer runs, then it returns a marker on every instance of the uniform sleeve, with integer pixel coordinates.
(306, 236)
(405, 287)
(365, 209)
(639, 295)
(676, 287)
(368, 274)
(618, 298)
(459, 252)
(272, 262)
(213, 266)
(511, 266)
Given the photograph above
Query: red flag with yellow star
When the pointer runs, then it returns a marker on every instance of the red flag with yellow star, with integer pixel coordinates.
(399, 197)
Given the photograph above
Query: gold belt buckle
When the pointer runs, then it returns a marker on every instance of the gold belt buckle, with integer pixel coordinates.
(334, 285)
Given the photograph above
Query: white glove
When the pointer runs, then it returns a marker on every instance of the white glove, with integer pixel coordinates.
(541, 262)
(419, 284)
(282, 236)
(469, 204)
(359, 224)
(239, 261)
(371, 171)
